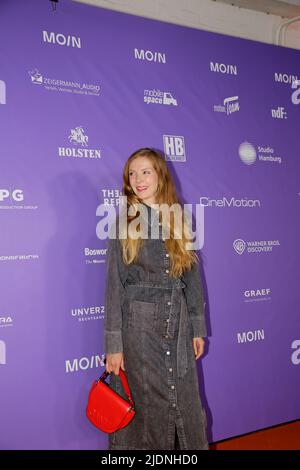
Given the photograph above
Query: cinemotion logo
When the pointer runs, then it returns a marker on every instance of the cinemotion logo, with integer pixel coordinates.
(2, 92)
(2, 352)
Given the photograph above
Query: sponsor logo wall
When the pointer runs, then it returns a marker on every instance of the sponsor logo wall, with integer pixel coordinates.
(73, 106)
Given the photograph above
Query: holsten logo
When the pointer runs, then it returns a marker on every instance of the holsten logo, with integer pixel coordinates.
(138, 227)
(2, 352)
(2, 92)
(248, 154)
(230, 105)
(150, 56)
(223, 68)
(256, 246)
(159, 97)
(84, 363)
(62, 39)
(174, 148)
(78, 138)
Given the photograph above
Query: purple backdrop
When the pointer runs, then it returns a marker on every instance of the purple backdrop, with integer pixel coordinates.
(80, 89)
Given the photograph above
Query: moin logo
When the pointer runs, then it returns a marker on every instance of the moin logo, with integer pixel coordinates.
(84, 363)
(2, 352)
(174, 148)
(159, 97)
(150, 56)
(284, 77)
(79, 139)
(226, 69)
(61, 39)
(230, 105)
(2, 92)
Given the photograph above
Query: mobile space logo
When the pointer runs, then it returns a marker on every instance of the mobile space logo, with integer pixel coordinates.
(249, 154)
(62, 39)
(2, 92)
(159, 97)
(60, 85)
(174, 148)
(79, 139)
(230, 105)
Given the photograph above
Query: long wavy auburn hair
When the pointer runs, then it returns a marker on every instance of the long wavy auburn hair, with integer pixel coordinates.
(181, 259)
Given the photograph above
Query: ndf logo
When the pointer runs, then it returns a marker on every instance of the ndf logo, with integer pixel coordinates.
(2, 352)
(174, 148)
(2, 92)
(16, 194)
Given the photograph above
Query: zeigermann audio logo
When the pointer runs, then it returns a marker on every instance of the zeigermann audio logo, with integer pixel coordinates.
(224, 69)
(159, 97)
(257, 295)
(63, 85)
(2, 352)
(174, 148)
(84, 314)
(13, 199)
(230, 105)
(84, 363)
(150, 56)
(2, 92)
(249, 154)
(62, 39)
(78, 138)
(6, 321)
(255, 246)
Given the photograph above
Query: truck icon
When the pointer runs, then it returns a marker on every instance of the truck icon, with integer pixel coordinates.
(168, 99)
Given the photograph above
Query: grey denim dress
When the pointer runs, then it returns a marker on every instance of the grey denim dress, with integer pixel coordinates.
(152, 318)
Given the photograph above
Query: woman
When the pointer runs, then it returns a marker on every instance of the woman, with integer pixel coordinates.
(154, 322)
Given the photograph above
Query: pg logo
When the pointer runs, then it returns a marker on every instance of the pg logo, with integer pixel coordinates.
(15, 195)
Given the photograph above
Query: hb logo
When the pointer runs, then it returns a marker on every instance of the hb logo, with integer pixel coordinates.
(16, 194)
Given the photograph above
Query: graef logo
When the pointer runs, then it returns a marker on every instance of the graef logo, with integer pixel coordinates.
(84, 363)
(284, 77)
(230, 105)
(78, 138)
(239, 246)
(254, 295)
(6, 321)
(159, 97)
(2, 352)
(279, 113)
(250, 336)
(223, 68)
(296, 354)
(174, 148)
(2, 92)
(255, 246)
(13, 195)
(61, 39)
(140, 54)
(88, 313)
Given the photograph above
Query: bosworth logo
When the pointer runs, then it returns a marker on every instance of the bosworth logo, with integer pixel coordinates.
(159, 97)
(59, 85)
(2, 92)
(226, 69)
(62, 39)
(254, 246)
(230, 105)
(249, 154)
(79, 139)
(150, 56)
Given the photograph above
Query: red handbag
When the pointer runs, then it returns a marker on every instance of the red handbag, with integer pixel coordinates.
(106, 409)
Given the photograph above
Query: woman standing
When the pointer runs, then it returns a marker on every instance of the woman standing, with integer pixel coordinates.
(154, 316)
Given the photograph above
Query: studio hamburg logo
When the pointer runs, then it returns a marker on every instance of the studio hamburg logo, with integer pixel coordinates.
(79, 145)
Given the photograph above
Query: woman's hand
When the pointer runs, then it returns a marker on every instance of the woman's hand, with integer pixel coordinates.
(198, 344)
(114, 361)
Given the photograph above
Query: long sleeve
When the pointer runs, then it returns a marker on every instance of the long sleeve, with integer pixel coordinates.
(114, 296)
(195, 301)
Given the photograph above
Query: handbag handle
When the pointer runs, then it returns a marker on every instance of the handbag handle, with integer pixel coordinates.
(124, 383)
